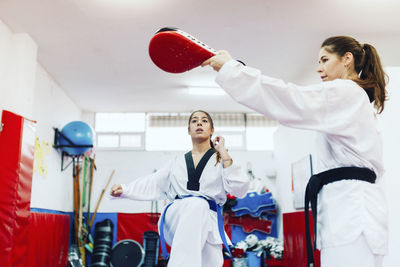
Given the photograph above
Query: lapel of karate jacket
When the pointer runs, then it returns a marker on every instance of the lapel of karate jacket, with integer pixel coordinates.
(195, 173)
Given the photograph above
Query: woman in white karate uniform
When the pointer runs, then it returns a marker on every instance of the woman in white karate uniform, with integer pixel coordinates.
(352, 213)
(194, 182)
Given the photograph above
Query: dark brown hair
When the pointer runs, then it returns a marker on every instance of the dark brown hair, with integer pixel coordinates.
(367, 64)
(212, 127)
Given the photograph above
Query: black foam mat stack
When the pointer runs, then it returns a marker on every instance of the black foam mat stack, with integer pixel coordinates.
(103, 238)
(150, 244)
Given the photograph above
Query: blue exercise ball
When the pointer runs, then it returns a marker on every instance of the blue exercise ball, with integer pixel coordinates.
(79, 133)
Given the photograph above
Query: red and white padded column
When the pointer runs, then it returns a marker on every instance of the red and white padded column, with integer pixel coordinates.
(17, 143)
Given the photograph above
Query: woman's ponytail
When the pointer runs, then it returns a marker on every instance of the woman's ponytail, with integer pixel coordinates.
(372, 77)
(218, 154)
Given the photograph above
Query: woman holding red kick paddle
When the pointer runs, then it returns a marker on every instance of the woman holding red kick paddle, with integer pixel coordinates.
(352, 227)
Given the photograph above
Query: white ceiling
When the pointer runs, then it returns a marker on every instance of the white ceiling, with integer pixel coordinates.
(97, 49)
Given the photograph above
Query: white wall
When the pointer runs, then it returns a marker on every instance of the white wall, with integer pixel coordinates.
(129, 165)
(390, 125)
(28, 90)
(17, 71)
(52, 108)
(290, 146)
(5, 43)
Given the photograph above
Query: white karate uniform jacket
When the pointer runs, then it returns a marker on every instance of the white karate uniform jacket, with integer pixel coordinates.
(345, 122)
(171, 181)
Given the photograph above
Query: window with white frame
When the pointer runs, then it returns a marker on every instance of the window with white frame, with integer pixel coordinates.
(168, 131)
(120, 130)
(232, 127)
(260, 132)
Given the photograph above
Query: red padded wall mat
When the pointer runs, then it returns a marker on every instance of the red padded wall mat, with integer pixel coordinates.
(16, 166)
(133, 225)
(48, 240)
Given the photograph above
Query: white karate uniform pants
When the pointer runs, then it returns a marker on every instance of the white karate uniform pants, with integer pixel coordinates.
(355, 254)
(186, 228)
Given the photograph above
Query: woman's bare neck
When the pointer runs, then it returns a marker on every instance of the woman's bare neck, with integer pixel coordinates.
(201, 148)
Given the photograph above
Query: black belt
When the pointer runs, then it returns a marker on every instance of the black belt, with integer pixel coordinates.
(315, 184)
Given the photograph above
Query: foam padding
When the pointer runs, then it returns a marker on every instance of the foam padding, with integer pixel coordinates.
(101, 217)
(48, 240)
(250, 224)
(254, 204)
(133, 225)
(295, 249)
(17, 143)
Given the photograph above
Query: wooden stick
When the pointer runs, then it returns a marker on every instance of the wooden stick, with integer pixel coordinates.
(90, 186)
(81, 198)
(76, 202)
(101, 196)
(84, 174)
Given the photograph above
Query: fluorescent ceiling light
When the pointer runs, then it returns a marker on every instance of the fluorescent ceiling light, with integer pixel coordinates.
(206, 91)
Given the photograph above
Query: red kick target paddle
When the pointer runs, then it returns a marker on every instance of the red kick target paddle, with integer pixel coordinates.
(176, 51)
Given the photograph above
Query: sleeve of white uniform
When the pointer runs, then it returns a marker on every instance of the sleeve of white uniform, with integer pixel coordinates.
(304, 107)
(149, 187)
(236, 182)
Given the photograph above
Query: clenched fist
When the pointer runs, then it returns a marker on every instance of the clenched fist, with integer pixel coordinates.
(116, 190)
